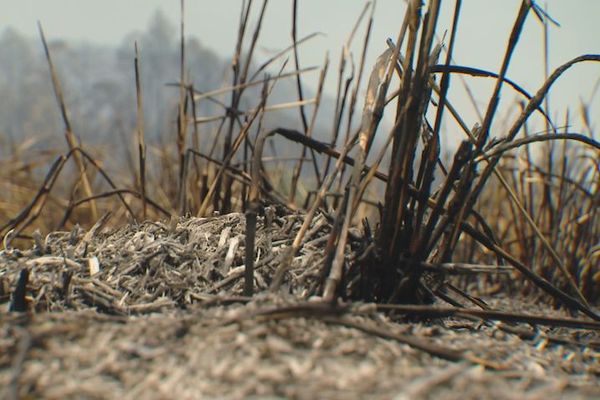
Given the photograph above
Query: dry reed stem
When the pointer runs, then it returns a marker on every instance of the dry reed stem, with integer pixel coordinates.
(182, 119)
(495, 98)
(542, 137)
(239, 76)
(69, 136)
(140, 132)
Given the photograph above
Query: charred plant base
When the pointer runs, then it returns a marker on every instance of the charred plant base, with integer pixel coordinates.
(154, 311)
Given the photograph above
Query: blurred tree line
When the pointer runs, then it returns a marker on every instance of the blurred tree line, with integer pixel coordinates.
(99, 84)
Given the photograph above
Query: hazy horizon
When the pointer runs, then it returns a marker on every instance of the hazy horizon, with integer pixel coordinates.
(479, 42)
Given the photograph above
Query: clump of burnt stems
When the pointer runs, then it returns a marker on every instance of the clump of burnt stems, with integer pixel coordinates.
(421, 222)
(493, 208)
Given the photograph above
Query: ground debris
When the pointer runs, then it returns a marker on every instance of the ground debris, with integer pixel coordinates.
(152, 266)
(159, 314)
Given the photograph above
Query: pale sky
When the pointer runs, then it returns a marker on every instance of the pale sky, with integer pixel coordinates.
(483, 33)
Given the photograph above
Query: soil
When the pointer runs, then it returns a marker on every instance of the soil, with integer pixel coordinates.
(155, 310)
